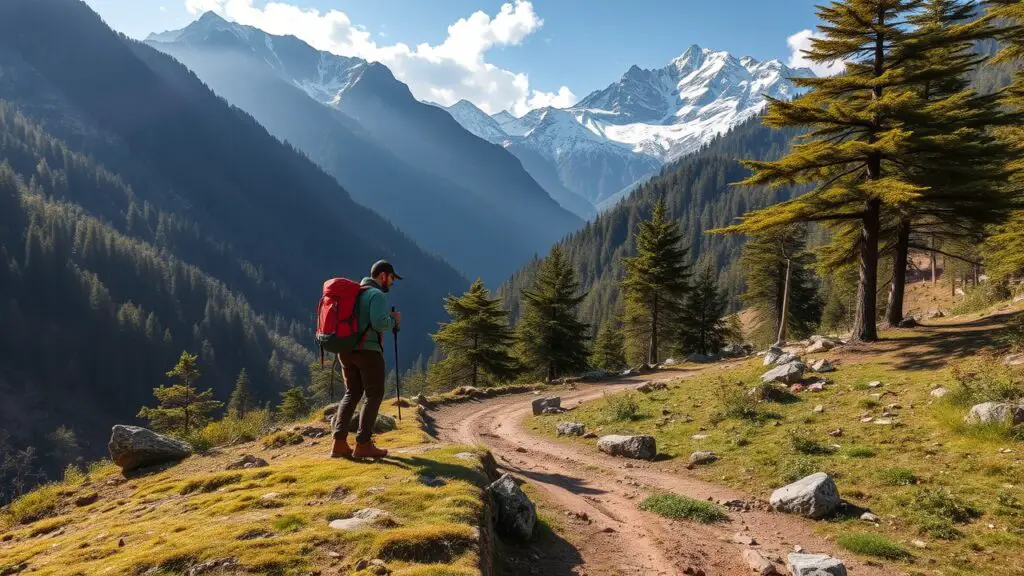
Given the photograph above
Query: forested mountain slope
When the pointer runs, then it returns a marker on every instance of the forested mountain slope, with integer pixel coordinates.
(697, 193)
(142, 216)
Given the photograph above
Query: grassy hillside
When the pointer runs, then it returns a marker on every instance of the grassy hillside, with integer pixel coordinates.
(267, 520)
(948, 495)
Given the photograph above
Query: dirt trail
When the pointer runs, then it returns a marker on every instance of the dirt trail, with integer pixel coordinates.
(617, 537)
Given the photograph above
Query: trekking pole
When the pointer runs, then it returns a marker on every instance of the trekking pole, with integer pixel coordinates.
(398, 377)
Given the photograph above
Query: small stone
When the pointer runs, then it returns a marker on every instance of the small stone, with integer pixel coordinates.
(758, 563)
(816, 387)
(867, 419)
(120, 543)
(361, 519)
(798, 548)
(838, 432)
(701, 457)
(819, 409)
(247, 461)
(939, 392)
(745, 539)
(699, 437)
(869, 517)
(875, 384)
(362, 564)
(918, 543)
(334, 554)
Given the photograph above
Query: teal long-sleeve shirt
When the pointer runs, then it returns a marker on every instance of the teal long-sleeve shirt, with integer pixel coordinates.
(373, 310)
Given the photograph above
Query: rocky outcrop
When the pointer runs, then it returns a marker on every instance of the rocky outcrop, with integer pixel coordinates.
(362, 519)
(133, 447)
(701, 457)
(637, 447)
(995, 412)
(247, 461)
(815, 496)
(539, 405)
(772, 355)
(570, 429)
(515, 514)
(787, 373)
(815, 565)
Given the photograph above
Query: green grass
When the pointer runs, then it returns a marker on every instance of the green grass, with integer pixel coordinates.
(682, 508)
(622, 407)
(897, 476)
(861, 452)
(873, 545)
(290, 523)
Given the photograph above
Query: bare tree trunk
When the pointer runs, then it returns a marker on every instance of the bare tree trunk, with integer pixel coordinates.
(784, 314)
(932, 259)
(894, 313)
(864, 329)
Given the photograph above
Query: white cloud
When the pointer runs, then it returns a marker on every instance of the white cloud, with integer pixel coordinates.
(797, 59)
(444, 73)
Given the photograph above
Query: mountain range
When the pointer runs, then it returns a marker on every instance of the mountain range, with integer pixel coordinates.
(604, 145)
(455, 194)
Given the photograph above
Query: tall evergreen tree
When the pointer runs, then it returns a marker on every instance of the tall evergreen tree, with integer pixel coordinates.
(476, 342)
(182, 409)
(703, 329)
(609, 348)
(861, 137)
(767, 258)
(294, 404)
(551, 339)
(656, 283)
(241, 400)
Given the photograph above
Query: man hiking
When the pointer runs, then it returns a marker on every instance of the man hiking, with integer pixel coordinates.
(363, 367)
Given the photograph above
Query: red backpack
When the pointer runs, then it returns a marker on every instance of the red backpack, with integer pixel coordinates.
(337, 327)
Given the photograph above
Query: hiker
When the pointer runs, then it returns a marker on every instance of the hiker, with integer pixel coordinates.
(363, 367)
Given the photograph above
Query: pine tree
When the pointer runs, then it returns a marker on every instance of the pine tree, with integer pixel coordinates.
(655, 283)
(703, 329)
(861, 139)
(476, 342)
(241, 400)
(551, 339)
(294, 405)
(181, 408)
(767, 256)
(609, 348)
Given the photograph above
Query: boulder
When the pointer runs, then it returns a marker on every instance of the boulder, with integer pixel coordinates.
(700, 358)
(908, 322)
(638, 447)
(247, 461)
(702, 457)
(133, 447)
(939, 392)
(822, 366)
(383, 423)
(570, 429)
(995, 412)
(515, 515)
(815, 496)
(786, 373)
(815, 565)
(648, 387)
(758, 563)
(361, 519)
(786, 358)
(772, 355)
(934, 313)
(540, 404)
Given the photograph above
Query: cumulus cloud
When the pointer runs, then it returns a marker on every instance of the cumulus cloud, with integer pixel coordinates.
(443, 73)
(797, 59)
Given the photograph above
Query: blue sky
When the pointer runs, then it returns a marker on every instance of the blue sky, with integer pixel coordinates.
(535, 53)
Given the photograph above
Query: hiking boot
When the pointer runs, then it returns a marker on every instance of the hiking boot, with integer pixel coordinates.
(341, 449)
(368, 450)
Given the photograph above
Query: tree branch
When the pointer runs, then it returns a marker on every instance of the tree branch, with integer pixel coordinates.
(937, 251)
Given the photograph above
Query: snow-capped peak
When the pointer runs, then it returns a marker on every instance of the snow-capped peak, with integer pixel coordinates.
(476, 121)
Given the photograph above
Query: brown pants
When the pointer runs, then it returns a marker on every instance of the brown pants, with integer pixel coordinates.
(364, 375)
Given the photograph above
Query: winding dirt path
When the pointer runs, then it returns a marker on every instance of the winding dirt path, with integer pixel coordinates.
(598, 496)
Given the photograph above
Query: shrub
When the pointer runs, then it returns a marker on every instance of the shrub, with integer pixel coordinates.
(861, 452)
(282, 439)
(35, 505)
(770, 392)
(793, 469)
(231, 430)
(290, 523)
(683, 508)
(984, 378)
(873, 545)
(980, 298)
(736, 403)
(897, 476)
(800, 441)
(937, 510)
(1013, 338)
(622, 407)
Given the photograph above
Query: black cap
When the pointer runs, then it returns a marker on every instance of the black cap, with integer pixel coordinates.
(383, 266)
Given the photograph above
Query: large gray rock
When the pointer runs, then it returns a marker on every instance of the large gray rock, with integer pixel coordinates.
(772, 355)
(815, 496)
(540, 404)
(133, 447)
(638, 447)
(995, 412)
(815, 565)
(701, 457)
(822, 366)
(382, 424)
(786, 358)
(570, 429)
(515, 514)
(787, 373)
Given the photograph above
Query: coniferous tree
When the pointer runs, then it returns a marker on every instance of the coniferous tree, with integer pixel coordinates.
(294, 404)
(182, 409)
(609, 348)
(655, 283)
(703, 329)
(551, 339)
(766, 258)
(476, 342)
(861, 139)
(241, 400)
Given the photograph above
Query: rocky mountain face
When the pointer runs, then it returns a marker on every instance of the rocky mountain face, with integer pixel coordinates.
(455, 194)
(610, 140)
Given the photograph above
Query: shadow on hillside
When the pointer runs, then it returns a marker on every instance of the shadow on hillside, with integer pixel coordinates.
(570, 483)
(547, 553)
(945, 342)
